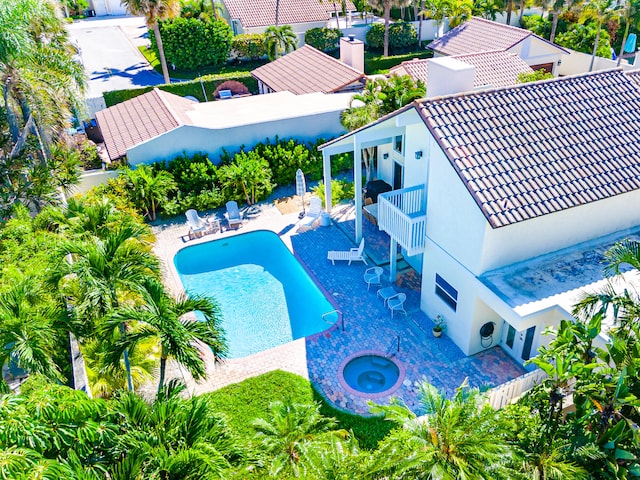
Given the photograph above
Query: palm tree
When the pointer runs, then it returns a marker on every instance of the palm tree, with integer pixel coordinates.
(155, 11)
(436, 10)
(162, 317)
(460, 12)
(488, 9)
(280, 41)
(457, 438)
(290, 435)
(28, 331)
(386, 6)
(149, 189)
(104, 272)
(557, 8)
(630, 15)
(600, 11)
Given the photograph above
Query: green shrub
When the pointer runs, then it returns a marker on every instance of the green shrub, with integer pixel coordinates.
(582, 38)
(377, 64)
(340, 190)
(249, 45)
(247, 177)
(537, 75)
(190, 43)
(538, 25)
(402, 35)
(324, 39)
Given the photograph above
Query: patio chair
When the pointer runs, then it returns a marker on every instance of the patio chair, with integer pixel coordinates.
(233, 214)
(396, 303)
(314, 211)
(353, 255)
(386, 293)
(197, 225)
(372, 276)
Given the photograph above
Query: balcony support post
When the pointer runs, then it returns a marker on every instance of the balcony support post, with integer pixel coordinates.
(326, 167)
(393, 260)
(357, 184)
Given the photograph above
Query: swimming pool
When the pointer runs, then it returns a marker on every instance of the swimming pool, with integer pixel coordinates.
(267, 298)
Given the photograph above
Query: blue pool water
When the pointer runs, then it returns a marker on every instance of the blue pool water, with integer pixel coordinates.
(267, 298)
(371, 374)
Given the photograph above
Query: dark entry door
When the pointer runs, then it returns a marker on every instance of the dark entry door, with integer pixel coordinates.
(397, 175)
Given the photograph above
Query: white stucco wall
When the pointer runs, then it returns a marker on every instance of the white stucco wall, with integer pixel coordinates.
(90, 179)
(537, 52)
(191, 139)
(528, 239)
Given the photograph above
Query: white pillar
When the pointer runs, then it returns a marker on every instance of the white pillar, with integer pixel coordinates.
(326, 172)
(393, 254)
(357, 185)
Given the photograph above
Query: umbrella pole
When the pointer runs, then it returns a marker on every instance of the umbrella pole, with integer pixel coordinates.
(302, 213)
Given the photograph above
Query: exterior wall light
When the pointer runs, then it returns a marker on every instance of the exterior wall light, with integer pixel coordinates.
(418, 154)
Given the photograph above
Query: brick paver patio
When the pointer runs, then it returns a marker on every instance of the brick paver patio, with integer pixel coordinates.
(368, 323)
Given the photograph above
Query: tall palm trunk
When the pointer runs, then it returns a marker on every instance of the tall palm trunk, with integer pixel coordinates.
(127, 362)
(624, 40)
(215, 10)
(277, 13)
(420, 24)
(595, 48)
(522, 6)
(509, 10)
(163, 369)
(387, 19)
(554, 25)
(163, 60)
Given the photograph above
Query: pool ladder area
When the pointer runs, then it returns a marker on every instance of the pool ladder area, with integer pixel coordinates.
(340, 319)
(395, 345)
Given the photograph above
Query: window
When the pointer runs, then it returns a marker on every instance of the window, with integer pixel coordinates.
(397, 144)
(446, 292)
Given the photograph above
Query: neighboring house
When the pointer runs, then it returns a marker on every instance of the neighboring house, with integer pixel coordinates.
(505, 200)
(108, 7)
(492, 69)
(307, 70)
(254, 16)
(480, 35)
(160, 126)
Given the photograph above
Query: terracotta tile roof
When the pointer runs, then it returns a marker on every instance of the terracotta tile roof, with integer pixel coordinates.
(634, 75)
(261, 13)
(480, 35)
(542, 147)
(307, 70)
(497, 68)
(141, 118)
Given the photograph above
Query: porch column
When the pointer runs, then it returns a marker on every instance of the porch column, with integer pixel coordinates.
(357, 185)
(393, 259)
(326, 172)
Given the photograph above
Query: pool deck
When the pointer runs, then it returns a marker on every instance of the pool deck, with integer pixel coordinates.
(368, 323)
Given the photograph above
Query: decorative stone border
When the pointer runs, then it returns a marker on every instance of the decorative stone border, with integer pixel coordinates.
(364, 353)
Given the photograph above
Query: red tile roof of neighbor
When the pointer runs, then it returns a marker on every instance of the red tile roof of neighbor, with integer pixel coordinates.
(480, 35)
(496, 69)
(261, 13)
(307, 70)
(141, 118)
(542, 147)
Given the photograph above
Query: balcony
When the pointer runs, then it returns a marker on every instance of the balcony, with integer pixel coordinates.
(403, 215)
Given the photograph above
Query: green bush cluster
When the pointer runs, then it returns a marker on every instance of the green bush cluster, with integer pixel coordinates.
(192, 88)
(324, 39)
(582, 38)
(538, 25)
(249, 45)
(340, 190)
(402, 35)
(190, 43)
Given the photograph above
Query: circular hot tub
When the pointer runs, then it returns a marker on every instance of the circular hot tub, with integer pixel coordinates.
(370, 374)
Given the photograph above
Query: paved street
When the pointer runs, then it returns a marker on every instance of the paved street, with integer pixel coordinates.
(110, 55)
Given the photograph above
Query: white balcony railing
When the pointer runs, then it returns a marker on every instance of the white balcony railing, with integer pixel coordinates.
(403, 215)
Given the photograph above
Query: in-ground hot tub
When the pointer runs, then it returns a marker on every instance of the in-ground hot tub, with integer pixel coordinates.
(371, 374)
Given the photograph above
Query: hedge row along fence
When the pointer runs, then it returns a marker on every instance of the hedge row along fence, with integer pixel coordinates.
(192, 88)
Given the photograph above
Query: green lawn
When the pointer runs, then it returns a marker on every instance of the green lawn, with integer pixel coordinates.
(243, 402)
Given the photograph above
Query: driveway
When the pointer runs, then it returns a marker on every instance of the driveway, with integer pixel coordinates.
(109, 53)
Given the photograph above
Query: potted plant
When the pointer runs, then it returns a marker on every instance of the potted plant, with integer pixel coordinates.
(439, 324)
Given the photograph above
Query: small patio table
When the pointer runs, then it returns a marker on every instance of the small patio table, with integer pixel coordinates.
(386, 293)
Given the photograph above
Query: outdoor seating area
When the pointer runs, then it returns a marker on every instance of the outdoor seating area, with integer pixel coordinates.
(200, 226)
(234, 219)
(351, 255)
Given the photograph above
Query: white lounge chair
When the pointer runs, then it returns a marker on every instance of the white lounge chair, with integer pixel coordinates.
(396, 303)
(372, 276)
(233, 214)
(355, 254)
(314, 211)
(197, 225)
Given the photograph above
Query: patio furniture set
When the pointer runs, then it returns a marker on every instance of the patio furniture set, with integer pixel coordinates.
(199, 226)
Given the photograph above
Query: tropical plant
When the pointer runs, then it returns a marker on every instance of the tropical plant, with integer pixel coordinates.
(459, 12)
(280, 41)
(630, 14)
(340, 190)
(456, 438)
(582, 39)
(535, 76)
(386, 6)
(249, 45)
(248, 176)
(164, 318)
(436, 10)
(291, 433)
(488, 9)
(149, 189)
(155, 11)
(322, 38)
(599, 11)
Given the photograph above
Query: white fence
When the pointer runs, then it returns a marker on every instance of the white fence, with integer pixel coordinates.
(90, 179)
(508, 392)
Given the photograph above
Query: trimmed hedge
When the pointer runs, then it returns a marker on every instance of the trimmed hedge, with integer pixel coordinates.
(191, 43)
(402, 35)
(192, 88)
(324, 39)
(249, 45)
(375, 63)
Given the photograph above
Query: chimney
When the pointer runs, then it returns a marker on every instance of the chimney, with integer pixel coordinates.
(352, 52)
(448, 76)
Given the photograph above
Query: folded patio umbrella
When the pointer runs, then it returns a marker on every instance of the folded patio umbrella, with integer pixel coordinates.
(301, 188)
